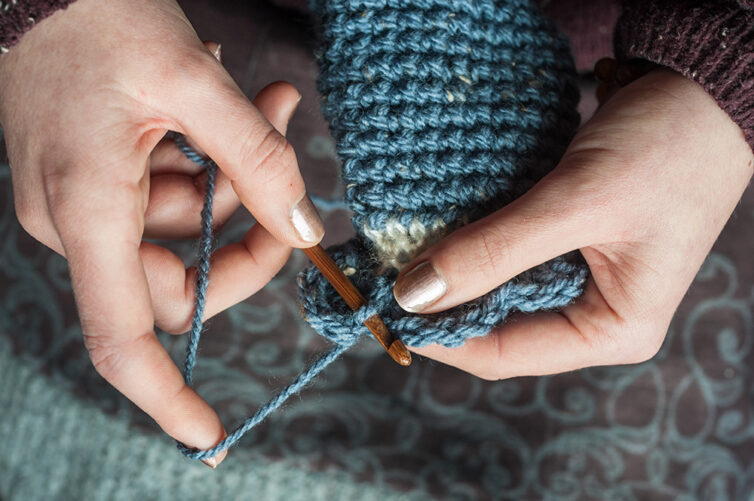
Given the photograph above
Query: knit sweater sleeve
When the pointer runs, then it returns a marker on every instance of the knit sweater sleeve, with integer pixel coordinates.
(708, 41)
(19, 16)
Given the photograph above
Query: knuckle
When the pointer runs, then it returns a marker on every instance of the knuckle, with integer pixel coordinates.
(105, 354)
(499, 365)
(193, 68)
(174, 309)
(601, 332)
(613, 339)
(268, 156)
(176, 317)
(493, 250)
(179, 322)
(73, 199)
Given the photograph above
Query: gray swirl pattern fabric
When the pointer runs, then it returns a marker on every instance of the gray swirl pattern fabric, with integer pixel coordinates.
(678, 427)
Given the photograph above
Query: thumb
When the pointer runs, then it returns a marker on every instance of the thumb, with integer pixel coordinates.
(544, 223)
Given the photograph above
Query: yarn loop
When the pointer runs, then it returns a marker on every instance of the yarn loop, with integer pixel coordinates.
(442, 112)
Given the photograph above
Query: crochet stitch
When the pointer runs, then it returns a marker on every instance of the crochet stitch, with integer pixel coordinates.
(442, 112)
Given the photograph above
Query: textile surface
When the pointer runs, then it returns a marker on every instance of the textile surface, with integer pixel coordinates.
(441, 114)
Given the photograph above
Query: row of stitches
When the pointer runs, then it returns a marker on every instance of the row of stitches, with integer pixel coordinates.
(492, 138)
(387, 171)
(380, 72)
(406, 163)
(430, 121)
(432, 40)
(427, 50)
(416, 16)
(367, 96)
(419, 196)
(376, 79)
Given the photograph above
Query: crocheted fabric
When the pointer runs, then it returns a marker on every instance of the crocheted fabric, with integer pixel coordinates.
(442, 112)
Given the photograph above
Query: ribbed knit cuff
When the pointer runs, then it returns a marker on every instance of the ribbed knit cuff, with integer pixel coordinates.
(710, 42)
(19, 16)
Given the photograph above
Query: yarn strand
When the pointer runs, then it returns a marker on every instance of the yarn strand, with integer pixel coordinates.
(442, 112)
(202, 281)
(203, 255)
(274, 403)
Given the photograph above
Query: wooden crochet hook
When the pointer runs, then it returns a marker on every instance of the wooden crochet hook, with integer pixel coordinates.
(355, 300)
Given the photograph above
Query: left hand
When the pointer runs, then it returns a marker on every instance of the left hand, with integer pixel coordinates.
(643, 191)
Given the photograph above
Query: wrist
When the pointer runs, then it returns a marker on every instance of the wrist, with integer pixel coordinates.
(709, 43)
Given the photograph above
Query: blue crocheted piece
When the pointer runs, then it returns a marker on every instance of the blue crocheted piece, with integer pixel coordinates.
(442, 112)
(552, 285)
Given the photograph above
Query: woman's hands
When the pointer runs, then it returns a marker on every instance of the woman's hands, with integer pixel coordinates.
(85, 99)
(643, 191)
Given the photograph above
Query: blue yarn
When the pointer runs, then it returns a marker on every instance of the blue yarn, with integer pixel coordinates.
(203, 253)
(293, 388)
(442, 112)
(388, 72)
(323, 204)
(202, 281)
(543, 287)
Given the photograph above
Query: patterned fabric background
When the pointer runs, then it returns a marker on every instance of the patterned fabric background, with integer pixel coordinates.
(678, 427)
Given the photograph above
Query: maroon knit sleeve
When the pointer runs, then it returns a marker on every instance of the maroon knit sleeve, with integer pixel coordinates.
(19, 16)
(708, 41)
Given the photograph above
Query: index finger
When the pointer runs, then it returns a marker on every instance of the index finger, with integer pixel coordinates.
(256, 157)
(101, 233)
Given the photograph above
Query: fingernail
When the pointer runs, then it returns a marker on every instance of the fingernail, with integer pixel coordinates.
(419, 288)
(218, 52)
(306, 220)
(215, 460)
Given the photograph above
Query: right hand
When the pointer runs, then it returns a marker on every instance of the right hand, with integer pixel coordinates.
(85, 99)
(643, 191)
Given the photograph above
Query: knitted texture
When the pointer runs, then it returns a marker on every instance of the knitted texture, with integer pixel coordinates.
(442, 112)
(84, 454)
(19, 16)
(204, 252)
(719, 57)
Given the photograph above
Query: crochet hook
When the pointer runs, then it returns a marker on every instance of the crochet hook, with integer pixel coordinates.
(355, 300)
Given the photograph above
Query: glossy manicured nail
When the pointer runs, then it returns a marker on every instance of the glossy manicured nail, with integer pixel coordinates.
(306, 220)
(215, 48)
(419, 288)
(218, 458)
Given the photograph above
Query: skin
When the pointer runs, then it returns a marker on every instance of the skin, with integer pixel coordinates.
(643, 192)
(84, 113)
